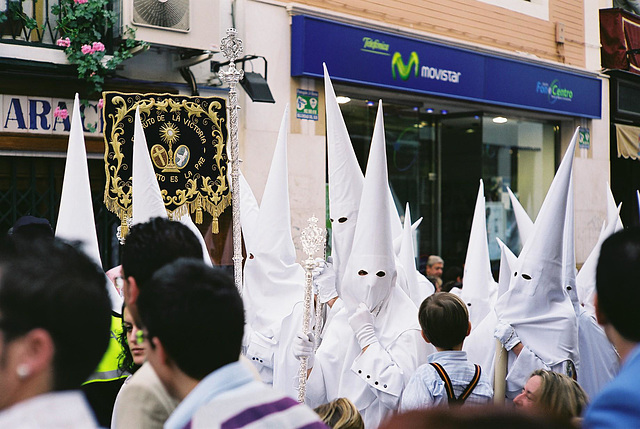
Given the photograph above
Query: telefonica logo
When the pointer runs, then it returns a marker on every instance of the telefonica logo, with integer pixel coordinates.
(404, 70)
(554, 91)
(375, 46)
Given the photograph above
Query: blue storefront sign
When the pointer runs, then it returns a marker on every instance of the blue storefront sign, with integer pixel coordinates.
(364, 56)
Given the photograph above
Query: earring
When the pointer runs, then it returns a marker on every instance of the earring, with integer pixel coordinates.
(23, 371)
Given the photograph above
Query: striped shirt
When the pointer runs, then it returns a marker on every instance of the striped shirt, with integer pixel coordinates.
(231, 398)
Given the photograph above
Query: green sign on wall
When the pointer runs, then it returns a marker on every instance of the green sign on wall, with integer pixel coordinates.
(307, 105)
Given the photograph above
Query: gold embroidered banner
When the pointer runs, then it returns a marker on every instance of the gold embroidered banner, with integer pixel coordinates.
(186, 137)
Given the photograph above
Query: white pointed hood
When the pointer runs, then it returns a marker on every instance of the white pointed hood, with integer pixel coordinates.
(75, 216)
(524, 222)
(186, 220)
(146, 197)
(569, 252)
(416, 288)
(273, 281)
(249, 211)
(371, 273)
(479, 290)
(345, 182)
(586, 278)
(613, 211)
(507, 261)
(536, 304)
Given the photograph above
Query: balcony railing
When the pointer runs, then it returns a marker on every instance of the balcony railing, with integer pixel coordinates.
(19, 14)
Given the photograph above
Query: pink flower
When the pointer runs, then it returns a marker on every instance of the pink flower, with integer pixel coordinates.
(60, 113)
(80, 1)
(65, 43)
(97, 46)
(87, 49)
(101, 103)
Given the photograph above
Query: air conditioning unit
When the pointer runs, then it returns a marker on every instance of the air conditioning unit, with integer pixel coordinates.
(191, 24)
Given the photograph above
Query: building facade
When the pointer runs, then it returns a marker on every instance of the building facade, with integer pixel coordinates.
(481, 89)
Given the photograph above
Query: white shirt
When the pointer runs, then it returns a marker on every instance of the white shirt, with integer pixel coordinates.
(68, 409)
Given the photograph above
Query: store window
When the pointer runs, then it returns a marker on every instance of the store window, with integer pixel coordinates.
(435, 162)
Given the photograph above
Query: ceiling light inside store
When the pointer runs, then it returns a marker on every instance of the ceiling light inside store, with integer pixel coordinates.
(429, 110)
(342, 99)
(371, 103)
(444, 112)
(499, 120)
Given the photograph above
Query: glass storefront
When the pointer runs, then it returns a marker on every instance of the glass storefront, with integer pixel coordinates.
(437, 158)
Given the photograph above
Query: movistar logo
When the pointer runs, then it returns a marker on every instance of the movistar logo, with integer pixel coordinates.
(404, 70)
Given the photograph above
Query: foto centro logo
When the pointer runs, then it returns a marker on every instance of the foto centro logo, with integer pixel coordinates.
(399, 68)
(554, 91)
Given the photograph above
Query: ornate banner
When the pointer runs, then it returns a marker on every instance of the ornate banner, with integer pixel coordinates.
(186, 137)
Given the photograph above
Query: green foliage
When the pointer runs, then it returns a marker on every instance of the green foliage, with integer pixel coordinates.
(15, 13)
(85, 24)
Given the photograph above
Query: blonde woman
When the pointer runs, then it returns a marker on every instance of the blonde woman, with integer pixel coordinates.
(340, 414)
(554, 393)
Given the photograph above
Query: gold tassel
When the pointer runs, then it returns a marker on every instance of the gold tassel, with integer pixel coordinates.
(124, 227)
(214, 226)
(199, 213)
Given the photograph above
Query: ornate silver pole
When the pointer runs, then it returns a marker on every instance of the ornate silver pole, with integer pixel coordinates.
(231, 47)
(312, 239)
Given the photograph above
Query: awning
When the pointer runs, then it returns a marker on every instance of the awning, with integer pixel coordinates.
(628, 138)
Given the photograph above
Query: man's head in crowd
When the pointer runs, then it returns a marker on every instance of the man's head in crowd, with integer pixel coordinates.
(194, 322)
(31, 228)
(444, 320)
(55, 318)
(435, 264)
(148, 247)
(617, 284)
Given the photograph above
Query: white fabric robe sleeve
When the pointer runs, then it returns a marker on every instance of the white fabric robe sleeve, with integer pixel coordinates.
(387, 371)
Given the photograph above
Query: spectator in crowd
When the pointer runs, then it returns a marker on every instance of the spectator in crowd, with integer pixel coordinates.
(193, 319)
(473, 418)
(448, 377)
(31, 228)
(618, 294)
(452, 278)
(553, 393)
(54, 327)
(435, 264)
(143, 401)
(340, 414)
(133, 354)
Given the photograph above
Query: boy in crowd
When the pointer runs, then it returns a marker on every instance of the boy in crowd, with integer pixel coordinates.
(447, 377)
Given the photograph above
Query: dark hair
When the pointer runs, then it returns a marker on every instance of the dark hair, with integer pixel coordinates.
(617, 281)
(444, 320)
(452, 273)
(197, 313)
(155, 243)
(51, 285)
(32, 228)
(125, 359)
(485, 417)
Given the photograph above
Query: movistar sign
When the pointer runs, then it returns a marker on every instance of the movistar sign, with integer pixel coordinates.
(378, 59)
(404, 70)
